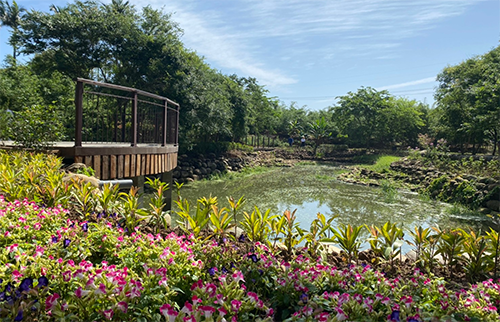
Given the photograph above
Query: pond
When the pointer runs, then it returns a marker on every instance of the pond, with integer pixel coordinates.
(314, 188)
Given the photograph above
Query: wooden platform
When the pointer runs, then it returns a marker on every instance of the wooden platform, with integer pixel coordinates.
(118, 160)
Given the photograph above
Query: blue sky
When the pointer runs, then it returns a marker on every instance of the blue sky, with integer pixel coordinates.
(312, 51)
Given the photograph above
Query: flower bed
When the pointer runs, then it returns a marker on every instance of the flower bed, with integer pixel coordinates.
(83, 254)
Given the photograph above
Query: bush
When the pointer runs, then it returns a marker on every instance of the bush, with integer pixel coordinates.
(36, 127)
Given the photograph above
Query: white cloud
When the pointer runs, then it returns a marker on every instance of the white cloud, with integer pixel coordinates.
(407, 84)
(240, 35)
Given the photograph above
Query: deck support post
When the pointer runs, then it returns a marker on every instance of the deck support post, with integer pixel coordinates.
(139, 182)
(167, 177)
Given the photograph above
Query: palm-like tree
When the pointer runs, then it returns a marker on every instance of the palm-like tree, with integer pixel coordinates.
(10, 16)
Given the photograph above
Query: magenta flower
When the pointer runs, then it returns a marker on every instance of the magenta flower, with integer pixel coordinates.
(211, 289)
(81, 292)
(208, 311)
(238, 276)
(51, 301)
(235, 305)
(168, 312)
(341, 316)
(108, 314)
(101, 289)
(253, 296)
(122, 306)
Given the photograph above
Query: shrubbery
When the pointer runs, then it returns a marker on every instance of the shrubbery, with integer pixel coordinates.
(71, 255)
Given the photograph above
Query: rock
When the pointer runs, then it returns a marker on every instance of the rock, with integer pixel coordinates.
(196, 177)
(75, 167)
(493, 205)
(75, 177)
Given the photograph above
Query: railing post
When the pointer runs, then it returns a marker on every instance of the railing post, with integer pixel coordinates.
(177, 126)
(78, 113)
(164, 131)
(134, 120)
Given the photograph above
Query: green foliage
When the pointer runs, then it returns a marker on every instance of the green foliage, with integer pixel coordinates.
(371, 118)
(257, 225)
(347, 238)
(319, 232)
(158, 218)
(198, 221)
(36, 127)
(476, 262)
(467, 102)
(421, 239)
(292, 233)
(132, 212)
(387, 240)
(450, 246)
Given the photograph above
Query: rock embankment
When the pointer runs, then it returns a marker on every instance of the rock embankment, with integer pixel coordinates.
(476, 191)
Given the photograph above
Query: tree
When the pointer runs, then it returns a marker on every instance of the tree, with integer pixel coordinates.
(319, 131)
(468, 98)
(10, 16)
(359, 115)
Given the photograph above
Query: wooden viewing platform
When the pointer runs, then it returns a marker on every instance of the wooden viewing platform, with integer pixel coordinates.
(122, 132)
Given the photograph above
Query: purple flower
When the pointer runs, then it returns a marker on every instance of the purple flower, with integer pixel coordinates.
(19, 316)
(2, 296)
(253, 257)
(394, 316)
(304, 298)
(85, 227)
(224, 270)
(211, 271)
(66, 242)
(43, 281)
(26, 284)
(242, 238)
(8, 288)
(54, 239)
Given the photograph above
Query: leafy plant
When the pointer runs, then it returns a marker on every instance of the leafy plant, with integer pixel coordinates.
(235, 205)
(293, 234)
(347, 238)
(108, 198)
(221, 222)
(157, 202)
(197, 222)
(494, 243)
(477, 259)
(319, 232)
(420, 240)
(257, 225)
(132, 212)
(450, 246)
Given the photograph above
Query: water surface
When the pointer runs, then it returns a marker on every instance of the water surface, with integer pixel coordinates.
(314, 188)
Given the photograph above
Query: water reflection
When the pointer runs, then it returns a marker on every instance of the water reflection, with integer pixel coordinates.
(313, 188)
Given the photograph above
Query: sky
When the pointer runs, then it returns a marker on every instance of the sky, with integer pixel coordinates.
(312, 51)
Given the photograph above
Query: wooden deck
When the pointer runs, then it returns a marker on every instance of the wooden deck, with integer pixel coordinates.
(121, 132)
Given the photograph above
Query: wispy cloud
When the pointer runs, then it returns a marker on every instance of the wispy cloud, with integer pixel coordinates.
(240, 35)
(407, 84)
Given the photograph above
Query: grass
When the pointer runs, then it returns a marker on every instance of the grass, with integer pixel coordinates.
(378, 163)
(245, 172)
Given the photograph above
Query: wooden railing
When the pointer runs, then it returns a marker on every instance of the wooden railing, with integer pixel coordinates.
(104, 114)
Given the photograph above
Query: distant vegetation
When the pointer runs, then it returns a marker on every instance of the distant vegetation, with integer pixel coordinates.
(141, 48)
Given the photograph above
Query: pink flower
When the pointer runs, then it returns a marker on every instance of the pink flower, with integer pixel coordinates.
(238, 276)
(101, 289)
(12, 248)
(17, 274)
(122, 306)
(222, 311)
(66, 276)
(235, 305)
(108, 314)
(208, 311)
(80, 292)
(211, 289)
(51, 301)
(168, 312)
(188, 308)
(341, 316)
(253, 296)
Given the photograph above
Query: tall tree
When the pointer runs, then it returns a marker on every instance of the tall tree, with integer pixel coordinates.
(10, 16)
(468, 98)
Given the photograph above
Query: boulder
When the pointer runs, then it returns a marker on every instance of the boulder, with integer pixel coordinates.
(493, 205)
(81, 178)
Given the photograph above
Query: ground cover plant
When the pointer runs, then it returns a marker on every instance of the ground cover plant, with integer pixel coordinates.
(72, 255)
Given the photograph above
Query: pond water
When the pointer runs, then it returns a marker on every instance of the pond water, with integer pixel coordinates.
(314, 188)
